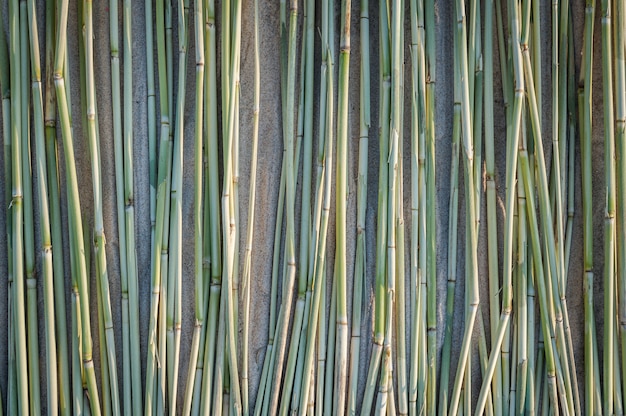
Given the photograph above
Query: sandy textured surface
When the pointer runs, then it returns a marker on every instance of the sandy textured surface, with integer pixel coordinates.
(270, 153)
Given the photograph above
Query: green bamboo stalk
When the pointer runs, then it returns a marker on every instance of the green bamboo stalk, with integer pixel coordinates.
(17, 213)
(196, 398)
(400, 309)
(539, 273)
(393, 185)
(472, 296)
(251, 204)
(325, 386)
(307, 239)
(317, 321)
(174, 276)
(522, 328)
(162, 370)
(511, 159)
(76, 228)
(228, 224)
(152, 121)
(77, 368)
(5, 86)
(620, 140)
(317, 286)
(536, 51)
(270, 356)
(452, 247)
(212, 202)
(200, 308)
(55, 215)
(220, 370)
(119, 182)
(28, 221)
(288, 132)
(99, 239)
(585, 109)
(331, 329)
(609, 216)
(360, 257)
(88, 247)
(492, 226)
(154, 381)
(291, 384)
(484, 359)
(568, 129)
(560, 360)
(531, 393)
(44, 219)
(341, 352)
(431, 255)
(381, 227)
(129, 209)
(418, 213)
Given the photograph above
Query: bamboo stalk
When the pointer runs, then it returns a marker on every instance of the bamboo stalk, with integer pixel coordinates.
(18, 384)
(212, 200)
(99, 236)
(620, 141)
(360, 256)
(417, 380)
(119, 182)
(341, 352)
(307, 239)
(431, 256)
(44, 219)
(76, 227)
(472, 295)
(492, 226)
(174, 277)
(200, 308)
(251, 205)
(154, 390)
(585, 120)
(27, 216)
(317, 286)
(291, 385)
(129, 209)
(5, 86)
(227, 223)
(381, 227)
(609, 216)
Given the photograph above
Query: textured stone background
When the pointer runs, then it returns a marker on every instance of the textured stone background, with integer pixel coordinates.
(270, 152)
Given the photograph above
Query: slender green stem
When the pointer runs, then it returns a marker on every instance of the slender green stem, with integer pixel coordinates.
(99, 238)
(360, 257)
(198, 208)
(609, 216)
(381, 227)
(44, 218)
(76, 227)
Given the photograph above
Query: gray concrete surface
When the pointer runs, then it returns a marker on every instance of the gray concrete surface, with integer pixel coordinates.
(270, 152)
